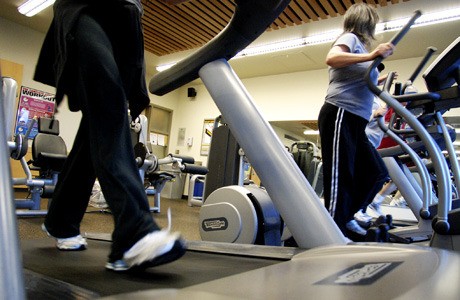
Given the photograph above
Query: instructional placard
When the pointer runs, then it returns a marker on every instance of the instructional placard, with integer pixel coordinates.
(33, 103)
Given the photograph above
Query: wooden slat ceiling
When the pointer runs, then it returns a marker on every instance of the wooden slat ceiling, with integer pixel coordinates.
(189, 25)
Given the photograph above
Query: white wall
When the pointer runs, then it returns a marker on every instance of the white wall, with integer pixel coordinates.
(21, 45)
(294, 96)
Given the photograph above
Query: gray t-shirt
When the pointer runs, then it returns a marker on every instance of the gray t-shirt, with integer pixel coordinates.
(347, 85)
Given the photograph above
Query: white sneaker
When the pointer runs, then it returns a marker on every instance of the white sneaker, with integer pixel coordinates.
(354, 227)
(74, 243)
(154, 249)
(362, 217)
(375, 207)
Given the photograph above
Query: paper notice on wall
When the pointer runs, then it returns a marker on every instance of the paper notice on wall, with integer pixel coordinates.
(154, 138)
(161, 140)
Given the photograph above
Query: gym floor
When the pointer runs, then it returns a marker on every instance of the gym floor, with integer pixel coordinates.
(51, 274)
(185, 219)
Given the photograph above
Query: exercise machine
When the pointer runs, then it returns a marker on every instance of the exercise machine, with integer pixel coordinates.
(149, 170)
(443, 78)
(417, 193)
(196, 190)
(48, 155)
(307, 155)
(223, 160)
(327, 271)
(430, 107)
(232, 211)
(11, 284)
(441, 96)
(325, 266)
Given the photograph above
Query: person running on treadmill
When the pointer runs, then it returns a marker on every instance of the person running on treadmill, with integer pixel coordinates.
(93, 53)
(353, 170)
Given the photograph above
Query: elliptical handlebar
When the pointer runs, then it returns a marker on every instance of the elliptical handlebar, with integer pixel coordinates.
(418, 96)
(398, 36)
(429, 53)
(395, 40)
(389, 81)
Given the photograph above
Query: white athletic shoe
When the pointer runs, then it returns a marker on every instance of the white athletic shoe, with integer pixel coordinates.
(362, 217)
(154, 249)
(148, 250)
(74, 243)
(354, 227)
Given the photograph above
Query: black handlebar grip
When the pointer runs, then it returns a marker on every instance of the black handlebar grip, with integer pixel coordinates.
(194, 169)
(429, 53)
(185, 159)
(398, 89)
(389, 81)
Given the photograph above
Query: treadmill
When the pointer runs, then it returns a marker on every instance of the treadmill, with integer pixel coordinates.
(325, 266)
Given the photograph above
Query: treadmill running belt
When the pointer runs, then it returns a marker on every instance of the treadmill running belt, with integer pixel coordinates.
(85, 269)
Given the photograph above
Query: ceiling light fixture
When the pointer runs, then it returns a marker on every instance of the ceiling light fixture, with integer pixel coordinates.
(32, 7)
(328, 37)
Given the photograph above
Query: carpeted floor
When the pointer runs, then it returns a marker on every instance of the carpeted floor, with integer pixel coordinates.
(185, 219)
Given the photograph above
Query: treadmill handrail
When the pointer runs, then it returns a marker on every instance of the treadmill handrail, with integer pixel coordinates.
(250, 20)
(12, 280)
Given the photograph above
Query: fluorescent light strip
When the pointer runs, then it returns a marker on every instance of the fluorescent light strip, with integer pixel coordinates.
(32, 7)
(424, 20)
(322, 38)
(327, 37)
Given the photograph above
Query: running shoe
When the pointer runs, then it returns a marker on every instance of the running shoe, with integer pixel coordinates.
(354, 227)
(75, 243)
(361, 216)
(156, 248)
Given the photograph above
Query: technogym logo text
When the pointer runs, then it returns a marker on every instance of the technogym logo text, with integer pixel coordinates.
(360, 274)
(214, 224)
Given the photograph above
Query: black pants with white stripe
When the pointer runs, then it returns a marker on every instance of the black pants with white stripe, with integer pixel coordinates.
(352, 168)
